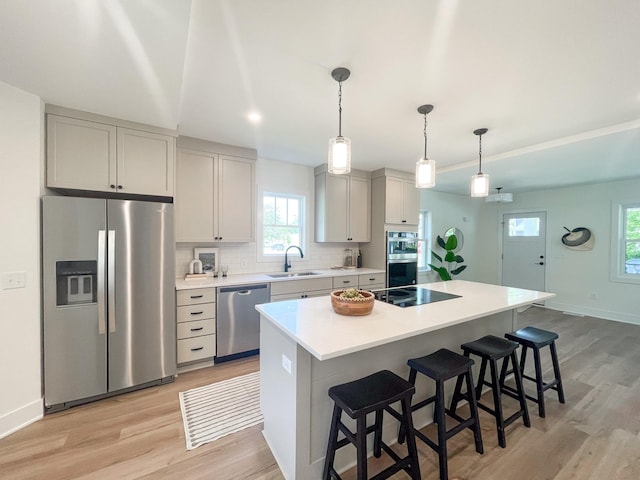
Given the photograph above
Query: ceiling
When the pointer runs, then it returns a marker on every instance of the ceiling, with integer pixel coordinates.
(556, 83)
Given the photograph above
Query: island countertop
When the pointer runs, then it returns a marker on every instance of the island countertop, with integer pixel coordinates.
(313, 324)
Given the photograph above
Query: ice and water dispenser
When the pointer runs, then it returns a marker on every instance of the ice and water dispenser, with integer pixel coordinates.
(76, 282)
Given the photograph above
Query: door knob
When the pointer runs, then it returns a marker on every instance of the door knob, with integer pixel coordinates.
(540, 263)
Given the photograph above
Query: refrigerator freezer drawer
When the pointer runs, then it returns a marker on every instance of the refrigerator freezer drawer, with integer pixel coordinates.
(198, 348)
(189, 313)
(197, 328)
(196, 295)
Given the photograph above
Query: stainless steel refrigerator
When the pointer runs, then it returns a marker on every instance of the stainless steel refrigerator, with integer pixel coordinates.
(108, 297)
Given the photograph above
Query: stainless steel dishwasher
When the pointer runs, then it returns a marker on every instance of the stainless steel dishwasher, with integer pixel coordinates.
(237, 320)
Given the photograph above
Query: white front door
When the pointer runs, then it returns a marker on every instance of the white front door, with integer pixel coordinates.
(524, 250)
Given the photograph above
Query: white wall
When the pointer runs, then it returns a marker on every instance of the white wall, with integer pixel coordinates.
(459, 211)
(20, 163)
(279, 177)
(574, 276)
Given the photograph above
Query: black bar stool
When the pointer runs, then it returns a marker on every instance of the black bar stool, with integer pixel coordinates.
(440, 366)
(492, 349)
(374, 393)
(535, 339)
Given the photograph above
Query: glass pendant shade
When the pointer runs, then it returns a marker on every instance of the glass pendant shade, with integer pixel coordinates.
(425, 173)
(339, 161)
(480, 185)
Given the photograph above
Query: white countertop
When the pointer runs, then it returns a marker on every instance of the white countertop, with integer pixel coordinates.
(250, 278)
(313, 324)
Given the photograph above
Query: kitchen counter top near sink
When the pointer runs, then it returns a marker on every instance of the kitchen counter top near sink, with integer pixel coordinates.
(250, 278)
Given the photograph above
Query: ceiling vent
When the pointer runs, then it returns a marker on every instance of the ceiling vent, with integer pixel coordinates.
(499, 197)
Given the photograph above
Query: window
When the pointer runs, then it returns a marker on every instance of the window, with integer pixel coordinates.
(424, 245)
(282, 222)
(626, 242)
(524, 227)
(631, 218)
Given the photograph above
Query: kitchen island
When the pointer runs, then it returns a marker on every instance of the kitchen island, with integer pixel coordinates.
(305, 348)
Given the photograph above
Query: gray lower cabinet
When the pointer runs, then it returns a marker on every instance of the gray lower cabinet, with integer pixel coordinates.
(345, 281)
(196, 324)
(309, 287)
(371, 281)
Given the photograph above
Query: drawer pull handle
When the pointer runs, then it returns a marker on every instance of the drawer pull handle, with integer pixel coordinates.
(372, 279)
(197, 313)
(197, 296)
(197, 329)
(196, 349)
(346, 281)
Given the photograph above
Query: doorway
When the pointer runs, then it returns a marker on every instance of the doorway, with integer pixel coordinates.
(524, 255)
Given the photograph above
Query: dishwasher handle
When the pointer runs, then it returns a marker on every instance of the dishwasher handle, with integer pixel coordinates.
(243, 289)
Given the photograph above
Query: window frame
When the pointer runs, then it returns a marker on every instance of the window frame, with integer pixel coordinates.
(270, 257)
(424, 234)
(619, 241)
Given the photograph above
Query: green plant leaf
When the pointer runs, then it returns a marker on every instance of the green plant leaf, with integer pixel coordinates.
(452, 243)
(458, 270)
(450, 257)
(459, 259)
(440, 242)
(436, 256)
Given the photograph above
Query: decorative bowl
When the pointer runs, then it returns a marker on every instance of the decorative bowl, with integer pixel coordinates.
(352, 306)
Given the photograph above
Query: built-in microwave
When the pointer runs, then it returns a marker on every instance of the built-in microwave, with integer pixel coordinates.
(402, 258)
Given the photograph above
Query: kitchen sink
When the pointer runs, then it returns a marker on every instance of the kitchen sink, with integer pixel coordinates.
(291, 274)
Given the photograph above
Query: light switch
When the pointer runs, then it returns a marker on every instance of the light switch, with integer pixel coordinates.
(14, 280)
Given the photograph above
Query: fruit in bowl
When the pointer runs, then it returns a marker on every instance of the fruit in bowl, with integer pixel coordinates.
(352, 301)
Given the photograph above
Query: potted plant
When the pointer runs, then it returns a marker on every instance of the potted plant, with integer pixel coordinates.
(451, 264)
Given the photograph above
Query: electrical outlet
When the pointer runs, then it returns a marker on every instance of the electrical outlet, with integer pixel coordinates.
(14, 280)
(286, 363)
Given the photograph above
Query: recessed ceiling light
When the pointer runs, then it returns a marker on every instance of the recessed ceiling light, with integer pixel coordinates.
(254, 117)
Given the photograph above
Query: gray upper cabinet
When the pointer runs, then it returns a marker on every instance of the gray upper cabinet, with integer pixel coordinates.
(402, 204)
(343, 206)
(215, 193)
(83, 154)
(396, 200)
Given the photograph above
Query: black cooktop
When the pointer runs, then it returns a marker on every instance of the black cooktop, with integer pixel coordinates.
(411, 296)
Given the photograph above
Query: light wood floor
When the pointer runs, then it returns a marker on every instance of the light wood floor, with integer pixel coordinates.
(595, 435)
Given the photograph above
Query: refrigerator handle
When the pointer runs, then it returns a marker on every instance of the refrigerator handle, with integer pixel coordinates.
(101, 265)
(111, 278)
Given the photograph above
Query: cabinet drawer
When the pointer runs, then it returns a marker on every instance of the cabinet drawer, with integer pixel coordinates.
(373, 286)
(189, 313)
(197, 328)
(197, 348)
(195, 295)
(364, 280)
(297, 295)
(306, 285)
(345, 281)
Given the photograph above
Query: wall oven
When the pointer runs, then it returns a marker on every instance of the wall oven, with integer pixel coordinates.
(402, 258)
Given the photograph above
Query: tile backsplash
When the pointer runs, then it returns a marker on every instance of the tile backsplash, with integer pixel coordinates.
(241, 258)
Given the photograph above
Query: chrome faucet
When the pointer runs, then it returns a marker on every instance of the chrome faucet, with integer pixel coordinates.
(287, 265)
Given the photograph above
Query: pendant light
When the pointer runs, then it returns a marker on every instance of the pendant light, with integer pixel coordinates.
(480, 181)
(339, 147)
(425, 168)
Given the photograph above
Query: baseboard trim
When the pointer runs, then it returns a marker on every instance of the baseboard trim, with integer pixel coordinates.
(21, 417)
(593, 312)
